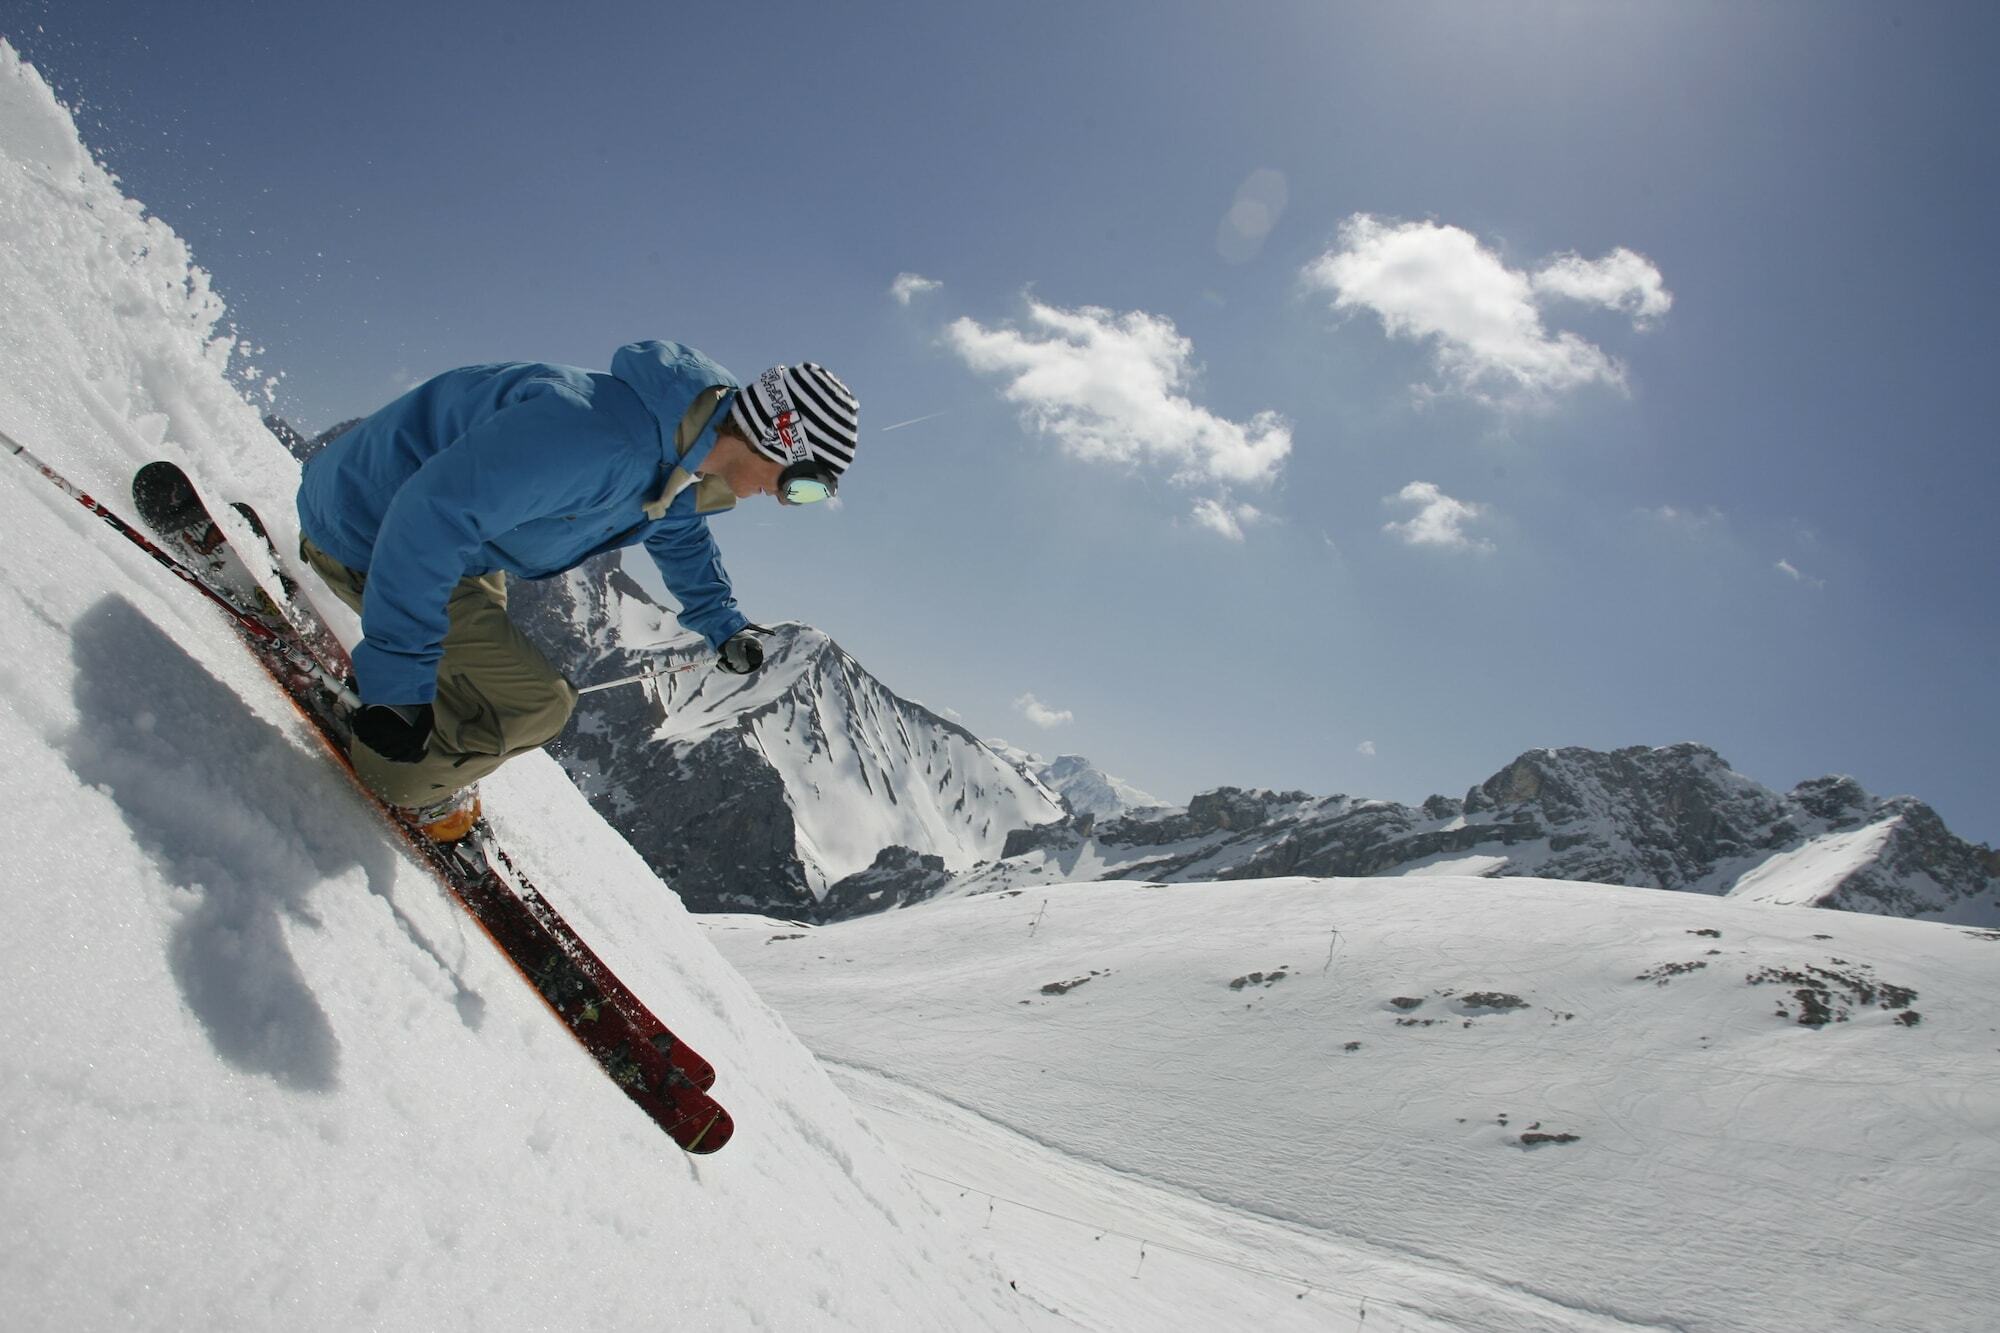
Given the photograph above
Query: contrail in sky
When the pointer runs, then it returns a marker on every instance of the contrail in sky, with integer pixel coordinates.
(912, 422)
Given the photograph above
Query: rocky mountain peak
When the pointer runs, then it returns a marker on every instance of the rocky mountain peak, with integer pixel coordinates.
(761, 792)
(1081, 786)
(1669, 817)
(1574, 782)
(1235, 808)
(1837, 800)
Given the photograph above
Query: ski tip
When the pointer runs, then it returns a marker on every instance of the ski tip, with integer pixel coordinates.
(164, 496)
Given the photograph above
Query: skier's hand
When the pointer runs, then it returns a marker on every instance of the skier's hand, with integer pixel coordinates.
(740, 653)
(399, 733)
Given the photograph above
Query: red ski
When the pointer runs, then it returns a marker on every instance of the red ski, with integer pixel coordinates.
(168, 503)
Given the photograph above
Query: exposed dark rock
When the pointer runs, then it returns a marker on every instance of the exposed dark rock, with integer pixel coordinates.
(1063, 835)
(1490, 1001)
(288, 435)
(1831, 994)
(300, 445)
(899, 876)
(1666, 972)
(1840, 801)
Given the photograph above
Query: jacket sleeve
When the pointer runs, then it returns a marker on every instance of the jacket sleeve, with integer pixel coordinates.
(693, 571)
(531, 458)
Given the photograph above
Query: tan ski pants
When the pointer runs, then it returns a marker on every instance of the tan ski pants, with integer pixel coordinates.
(497, 696)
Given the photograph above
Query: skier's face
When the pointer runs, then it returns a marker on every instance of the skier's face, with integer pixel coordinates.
(746, 471)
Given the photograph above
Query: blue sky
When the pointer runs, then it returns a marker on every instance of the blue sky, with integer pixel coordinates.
(1343, 397)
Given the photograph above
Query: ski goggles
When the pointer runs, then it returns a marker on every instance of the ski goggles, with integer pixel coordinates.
(807, 481)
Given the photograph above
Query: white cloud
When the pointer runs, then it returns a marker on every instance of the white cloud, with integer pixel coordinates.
(1792, 572)
(1227, 519)
(908, 286)
(1439, 520)
(1428, 282)
(1111, 388)
(1366, 749)
(1041, 714)
(1623, 280)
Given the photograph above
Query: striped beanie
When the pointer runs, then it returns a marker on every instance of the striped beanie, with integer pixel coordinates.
(790, 410)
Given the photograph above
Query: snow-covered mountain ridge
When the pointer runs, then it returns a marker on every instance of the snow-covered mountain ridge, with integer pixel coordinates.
(1084, 788)
(813, 790)
(764, 793)
(1675, 817)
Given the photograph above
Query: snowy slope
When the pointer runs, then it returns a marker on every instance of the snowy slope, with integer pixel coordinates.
(1808, 876)
(1340, 1083)
(257, 1072)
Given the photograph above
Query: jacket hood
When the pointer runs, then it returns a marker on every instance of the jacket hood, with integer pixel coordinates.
(668, 376)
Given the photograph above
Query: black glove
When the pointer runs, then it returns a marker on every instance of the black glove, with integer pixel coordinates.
(740, 653)
(399, 733)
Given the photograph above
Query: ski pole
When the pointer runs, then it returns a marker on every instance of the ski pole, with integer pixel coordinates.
(643, 675)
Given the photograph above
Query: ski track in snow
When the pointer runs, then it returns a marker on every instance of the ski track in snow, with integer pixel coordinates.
(1270, 1259)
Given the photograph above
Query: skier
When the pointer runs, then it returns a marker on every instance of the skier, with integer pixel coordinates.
(416, 515)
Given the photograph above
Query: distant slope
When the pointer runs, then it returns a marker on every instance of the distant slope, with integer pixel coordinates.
(1629, 1107)
(1813, 874)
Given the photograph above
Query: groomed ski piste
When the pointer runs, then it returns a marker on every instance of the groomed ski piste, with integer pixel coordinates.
(255, 1070)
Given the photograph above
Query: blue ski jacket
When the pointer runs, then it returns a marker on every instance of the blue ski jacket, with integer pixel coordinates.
(527, 467)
